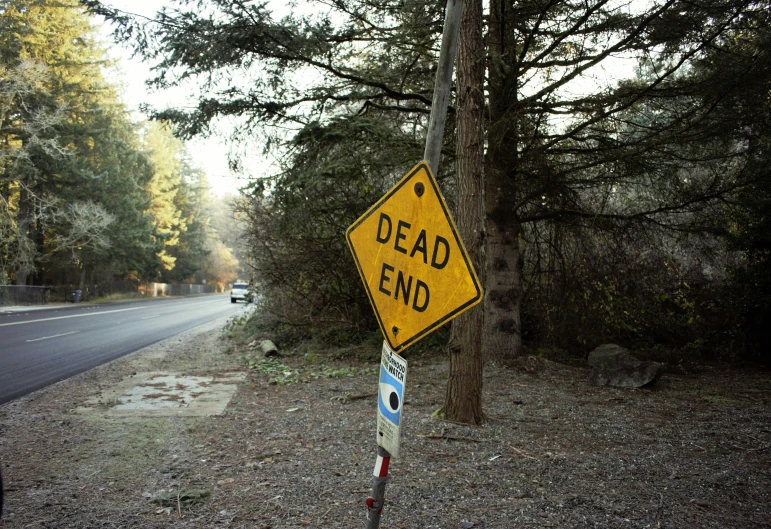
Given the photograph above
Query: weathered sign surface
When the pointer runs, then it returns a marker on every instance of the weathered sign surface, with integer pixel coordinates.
(413, 263)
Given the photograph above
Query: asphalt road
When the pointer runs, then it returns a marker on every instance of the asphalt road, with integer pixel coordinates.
(41, 347)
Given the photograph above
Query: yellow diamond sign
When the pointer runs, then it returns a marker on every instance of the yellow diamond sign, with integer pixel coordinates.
(414, 266)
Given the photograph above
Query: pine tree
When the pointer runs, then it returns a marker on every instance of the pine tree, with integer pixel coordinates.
(193, 202)
(554, 152)
(164, 151)
(48, 48)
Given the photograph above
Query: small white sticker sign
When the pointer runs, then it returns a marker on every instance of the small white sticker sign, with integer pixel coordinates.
(390, 396)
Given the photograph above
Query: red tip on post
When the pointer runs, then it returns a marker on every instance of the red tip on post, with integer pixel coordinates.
(381, 466)
(370, 503)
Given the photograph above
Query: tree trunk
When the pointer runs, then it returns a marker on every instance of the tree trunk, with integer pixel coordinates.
(22, 221)
(463, 401)
(38, 275)
(503, 263)
(502, 334)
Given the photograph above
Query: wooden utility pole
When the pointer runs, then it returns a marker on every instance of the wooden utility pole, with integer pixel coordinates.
(443, 83)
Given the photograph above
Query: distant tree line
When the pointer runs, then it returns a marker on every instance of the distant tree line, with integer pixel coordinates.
(86, 194)
(620, 152)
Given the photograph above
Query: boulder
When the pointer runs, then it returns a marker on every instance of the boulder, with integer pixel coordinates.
(608, 353)
(612, 365)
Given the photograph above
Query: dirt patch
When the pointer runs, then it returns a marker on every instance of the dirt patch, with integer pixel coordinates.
(556, 452)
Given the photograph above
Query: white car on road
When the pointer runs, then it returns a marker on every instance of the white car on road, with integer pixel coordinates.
(240, 291)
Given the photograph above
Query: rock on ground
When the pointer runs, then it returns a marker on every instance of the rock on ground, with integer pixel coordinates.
(612, 365)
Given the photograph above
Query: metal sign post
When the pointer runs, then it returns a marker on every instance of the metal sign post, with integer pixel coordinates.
(376, 501)
(434, 137)
(390, 396)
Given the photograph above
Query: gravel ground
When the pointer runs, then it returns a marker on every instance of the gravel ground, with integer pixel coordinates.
(692, 452)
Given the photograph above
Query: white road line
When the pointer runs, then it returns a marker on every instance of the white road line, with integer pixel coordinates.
(73, 316)
(54, 336)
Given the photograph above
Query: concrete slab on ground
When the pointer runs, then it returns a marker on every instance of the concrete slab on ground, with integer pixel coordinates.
(161, 394)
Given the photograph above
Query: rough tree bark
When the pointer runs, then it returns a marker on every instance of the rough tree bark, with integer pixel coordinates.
(503, 263)
(22, 221)
(463, 401)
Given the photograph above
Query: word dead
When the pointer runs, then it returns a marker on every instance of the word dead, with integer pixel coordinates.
(390, 278)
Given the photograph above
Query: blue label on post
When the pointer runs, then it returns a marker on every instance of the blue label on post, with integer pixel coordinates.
(391, 393)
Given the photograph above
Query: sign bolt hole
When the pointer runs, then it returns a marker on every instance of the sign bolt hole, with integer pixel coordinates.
(419, 189)
(395, 330)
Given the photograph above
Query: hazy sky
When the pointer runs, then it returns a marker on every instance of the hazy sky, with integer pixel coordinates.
(209, 154)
